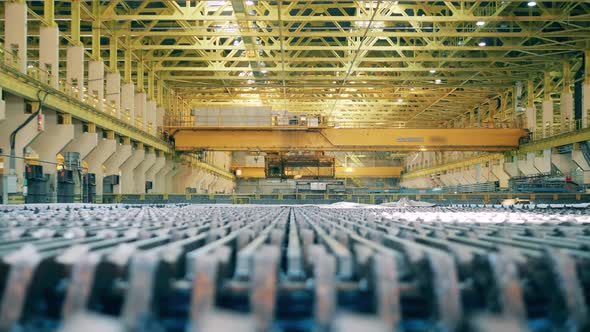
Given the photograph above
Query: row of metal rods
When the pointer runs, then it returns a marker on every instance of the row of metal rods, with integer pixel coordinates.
(290, 268)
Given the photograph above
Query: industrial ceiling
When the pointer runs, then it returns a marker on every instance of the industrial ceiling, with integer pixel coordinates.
(360, 63)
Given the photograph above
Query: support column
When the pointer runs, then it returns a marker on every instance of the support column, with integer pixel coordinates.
(161, 176)
(567, 100)
(49, 55)
(49, 143)
(75, 70)
(486, 174)
(151, 110)
(152, 172)
(140, 108)
(207, 183)
(127, 103)
(159, 118)
(543, 162)
(75, 55)
(2, 107)
(531, 112)
(579, 159)
(96, 82)
(105, 148)
(498, 170)
(563, 162)
(200, 183)
(586, 90)
(15, 116)
(547, 107)
(180, 178)
(469, 174)
(511, 168)
(84, 141)
(112, 165)
(140, 172)
(15, 30)
(127, 169)
(445, 179)
(527, 165)
(169, 182)
(113, 93)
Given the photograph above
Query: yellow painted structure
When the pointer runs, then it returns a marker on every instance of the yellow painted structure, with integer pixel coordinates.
(340, 172)
(347, 139)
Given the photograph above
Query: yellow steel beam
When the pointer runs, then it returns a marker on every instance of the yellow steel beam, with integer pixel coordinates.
(340, 172)
(453, 165)
(551, 142)
(49, 12)
(196, 16)
(207, 167)
(345, 139)
(22, 85)
(368, 172)
(75, 22)
(96, 30)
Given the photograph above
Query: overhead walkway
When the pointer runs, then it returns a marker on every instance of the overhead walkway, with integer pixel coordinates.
(554, 147)
(65, 99)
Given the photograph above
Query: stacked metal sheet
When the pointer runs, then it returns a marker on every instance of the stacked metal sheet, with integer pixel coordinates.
(261, 268)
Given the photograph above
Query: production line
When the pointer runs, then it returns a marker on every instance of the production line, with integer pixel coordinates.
(261, 268)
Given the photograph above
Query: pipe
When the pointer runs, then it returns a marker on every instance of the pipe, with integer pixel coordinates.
(12, 166)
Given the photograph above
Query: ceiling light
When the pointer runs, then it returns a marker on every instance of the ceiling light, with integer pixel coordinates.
(482, 43)
(249, 3)
(531, 4)
(412, 89)
(400, 100)
(480, 23)
(264, 71)
(438, 81)
(432, 71)
(395, 2)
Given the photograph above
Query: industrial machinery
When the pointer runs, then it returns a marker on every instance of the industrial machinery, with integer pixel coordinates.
(543, 183)
(314, 165)
(66, 186)
(88, 188)
(109, 182)
(37, 184)
(70, 182)
(261, 268)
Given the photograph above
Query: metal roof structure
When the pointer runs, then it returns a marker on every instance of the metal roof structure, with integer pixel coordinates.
(360, 63)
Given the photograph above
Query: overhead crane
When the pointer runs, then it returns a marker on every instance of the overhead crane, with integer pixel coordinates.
(345, 139)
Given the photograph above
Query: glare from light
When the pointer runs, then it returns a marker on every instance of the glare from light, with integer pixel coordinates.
(432, 71)
(264, 71)
(348, 170)
(438, 81)
(249, 3)
(412, 89)
(400, 100)
(532, 3)
(480, 23)
(482, 43)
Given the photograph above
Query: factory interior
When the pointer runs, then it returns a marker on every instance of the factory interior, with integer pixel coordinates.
(294, 166)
